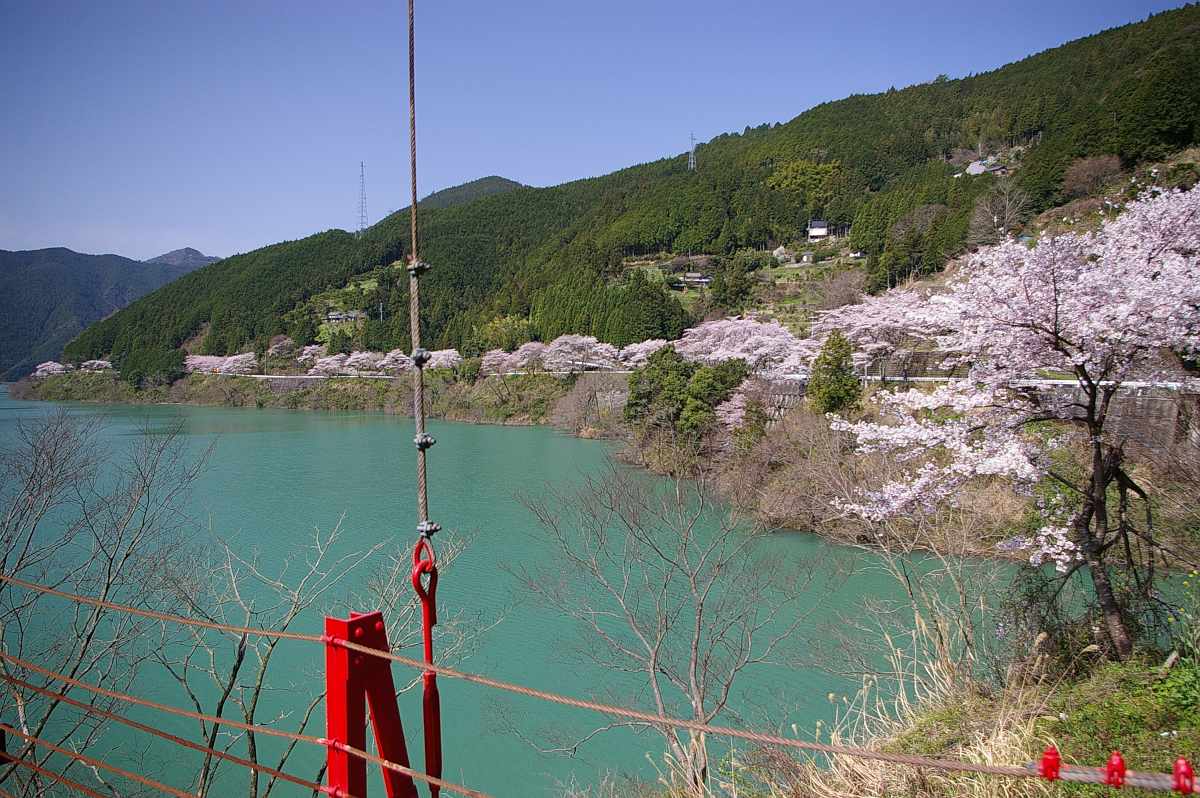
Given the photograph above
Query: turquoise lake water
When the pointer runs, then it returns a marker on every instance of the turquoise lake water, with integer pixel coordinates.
(275, 475)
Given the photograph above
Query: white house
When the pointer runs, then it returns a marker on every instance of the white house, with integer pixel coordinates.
(818, 230)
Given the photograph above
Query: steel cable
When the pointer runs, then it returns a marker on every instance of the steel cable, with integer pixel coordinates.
(1069, 773)
(233, 724)
(58, 777)
(103, 713)
(98, 763)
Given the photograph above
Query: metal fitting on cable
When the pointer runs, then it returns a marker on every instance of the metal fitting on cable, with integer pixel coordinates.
(417, 267)
(420, 357)
(424, 441)
(427, 529)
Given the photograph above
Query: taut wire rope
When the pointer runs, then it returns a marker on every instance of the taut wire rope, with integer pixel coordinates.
(1069, 773)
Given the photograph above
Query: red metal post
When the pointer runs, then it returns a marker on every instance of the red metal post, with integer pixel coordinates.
(1051, 765)
(1114, 771)
(355, 681)
(1183, 778)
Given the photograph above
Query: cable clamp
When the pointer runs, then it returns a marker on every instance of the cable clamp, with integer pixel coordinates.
(417, 267)
(420, 357)
(427, 529)
(424, 441)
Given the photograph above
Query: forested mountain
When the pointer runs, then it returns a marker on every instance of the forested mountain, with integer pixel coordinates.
(884, 162)
(188, 257)
(48, 295)
(457, 195)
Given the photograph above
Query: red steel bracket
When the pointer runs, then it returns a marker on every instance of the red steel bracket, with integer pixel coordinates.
(355, 681)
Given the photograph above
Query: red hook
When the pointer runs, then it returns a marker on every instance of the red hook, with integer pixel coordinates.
(1114, 772)
(424, 562)
(1051, 766)
(1183, 778)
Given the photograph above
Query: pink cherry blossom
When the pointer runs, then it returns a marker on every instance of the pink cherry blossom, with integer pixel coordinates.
(50, 368)
(1102, 306)
(310, 354)
(244, 363)
(636, 355)
(444, 359)
(396, 361)
(579, 353)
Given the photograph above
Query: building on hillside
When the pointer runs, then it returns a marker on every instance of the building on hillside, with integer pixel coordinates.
(345, 315)
(818, 230)
(808, 256)
(696, 279)
(986, 166)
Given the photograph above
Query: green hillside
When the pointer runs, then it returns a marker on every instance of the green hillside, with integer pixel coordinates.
(47, 296)
(468, 192)
(883, 162)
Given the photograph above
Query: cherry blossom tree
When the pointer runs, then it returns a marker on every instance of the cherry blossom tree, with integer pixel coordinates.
(579, 353)
(396, 361)
(527, 357)
(494, 361)
(882, 328)
(444, 359)
(330, 366)
(50, 368)
(1104, 307)
(245, 363)
(758, 343)
(359, 363)
(636, 355)
(732, 412)
(310, 354)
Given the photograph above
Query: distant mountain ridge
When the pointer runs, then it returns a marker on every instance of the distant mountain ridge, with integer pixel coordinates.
(187, 257)
(47, 296)
(880, 164)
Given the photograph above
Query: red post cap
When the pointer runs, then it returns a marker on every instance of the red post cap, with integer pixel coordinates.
(1183, 778)
(1051, 764)
(1114, 772)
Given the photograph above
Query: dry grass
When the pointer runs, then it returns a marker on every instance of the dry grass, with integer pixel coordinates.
(795, 476)
(929, 698)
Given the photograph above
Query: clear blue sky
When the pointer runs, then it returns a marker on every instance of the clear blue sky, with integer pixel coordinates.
(137, 128)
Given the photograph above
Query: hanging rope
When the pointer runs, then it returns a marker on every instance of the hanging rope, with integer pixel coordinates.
(424, 557)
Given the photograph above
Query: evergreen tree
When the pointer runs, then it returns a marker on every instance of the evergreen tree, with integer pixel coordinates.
(833, 386)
